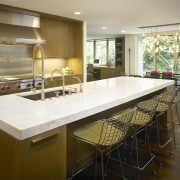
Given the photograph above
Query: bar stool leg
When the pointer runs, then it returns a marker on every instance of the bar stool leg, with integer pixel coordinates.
(150, 151)
(76, 156)
(177, 113)
(158, 138)
(173, 130)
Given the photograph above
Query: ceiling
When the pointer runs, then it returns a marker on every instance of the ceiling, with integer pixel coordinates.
(116, 15)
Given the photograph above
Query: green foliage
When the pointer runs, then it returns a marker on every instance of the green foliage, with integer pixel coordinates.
(159, 53)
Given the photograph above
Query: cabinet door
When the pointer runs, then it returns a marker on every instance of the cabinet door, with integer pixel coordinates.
(60, 39)
(54, 31)
(70, 80)
(43, 157)
(45, 31)
(57, 81)
(107, 73)
(69, 39)
(118, 71)
(47, 28)
(9, 157)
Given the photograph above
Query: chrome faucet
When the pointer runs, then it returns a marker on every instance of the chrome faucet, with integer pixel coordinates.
(81, 90)
(63, 79)
(36, 47)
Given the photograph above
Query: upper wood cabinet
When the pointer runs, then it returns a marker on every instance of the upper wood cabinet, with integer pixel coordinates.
(59, 38)
(69, 39)
(47, 28)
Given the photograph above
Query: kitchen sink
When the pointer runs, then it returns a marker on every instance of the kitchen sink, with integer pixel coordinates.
(49, 94)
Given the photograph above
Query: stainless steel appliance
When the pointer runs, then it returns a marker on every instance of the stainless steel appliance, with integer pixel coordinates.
(19, 33)
(19, 28)
(14, 84)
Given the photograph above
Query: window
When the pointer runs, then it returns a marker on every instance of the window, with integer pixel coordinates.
(164, 53)
(100, 54)
(177, 62)
(111, 52)
(90, 52)
(104, 50)
(148, 55)
(161, 52)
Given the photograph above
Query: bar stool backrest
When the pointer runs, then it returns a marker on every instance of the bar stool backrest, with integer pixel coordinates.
(114, 129)
(177, 95)
(145, 111)
(165, 100)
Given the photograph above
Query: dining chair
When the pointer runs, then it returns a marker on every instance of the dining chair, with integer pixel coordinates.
(155, 74)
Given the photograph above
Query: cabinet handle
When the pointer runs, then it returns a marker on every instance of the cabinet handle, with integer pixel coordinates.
(36, 140)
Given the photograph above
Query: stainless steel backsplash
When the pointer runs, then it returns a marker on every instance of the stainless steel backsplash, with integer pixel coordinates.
(15, 59)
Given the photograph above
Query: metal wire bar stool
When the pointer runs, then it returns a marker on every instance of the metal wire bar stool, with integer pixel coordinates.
(175, 103)
(165, 101)
(103, 135)
(140, 120)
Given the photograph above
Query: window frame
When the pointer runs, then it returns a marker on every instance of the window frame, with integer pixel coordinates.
(107, 51)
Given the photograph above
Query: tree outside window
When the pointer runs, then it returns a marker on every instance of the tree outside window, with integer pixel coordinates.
(90, 52)
(161, 52)
(164, 49)
(111, 51)
(178, 54)
(101, 47)
(148, 54)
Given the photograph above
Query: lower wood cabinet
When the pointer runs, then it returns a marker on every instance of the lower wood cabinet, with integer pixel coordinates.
(70, 80)
(9, 157)
(57, 81)
(106, 72)
(42, 157)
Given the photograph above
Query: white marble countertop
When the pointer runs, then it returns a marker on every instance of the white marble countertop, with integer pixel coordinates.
(23, 118)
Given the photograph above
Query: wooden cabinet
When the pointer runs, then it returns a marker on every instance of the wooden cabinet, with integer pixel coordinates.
(69, 39)
(106, 72)
(120, 52)
(41, 157)
(57, 81)
(54, 31)
(9, 157)
(59, 38)
(70, 80)
(48, 30)
(118, 71)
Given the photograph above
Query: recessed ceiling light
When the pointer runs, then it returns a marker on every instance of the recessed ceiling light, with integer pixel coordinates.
(123, 31)
(77, 12)
(104, 27)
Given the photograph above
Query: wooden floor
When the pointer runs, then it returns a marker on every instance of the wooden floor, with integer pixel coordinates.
(170, 170)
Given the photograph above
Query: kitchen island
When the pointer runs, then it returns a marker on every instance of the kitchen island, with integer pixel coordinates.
(35, 135)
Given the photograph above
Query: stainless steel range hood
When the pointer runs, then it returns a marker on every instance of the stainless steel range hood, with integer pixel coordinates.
(18, 28)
